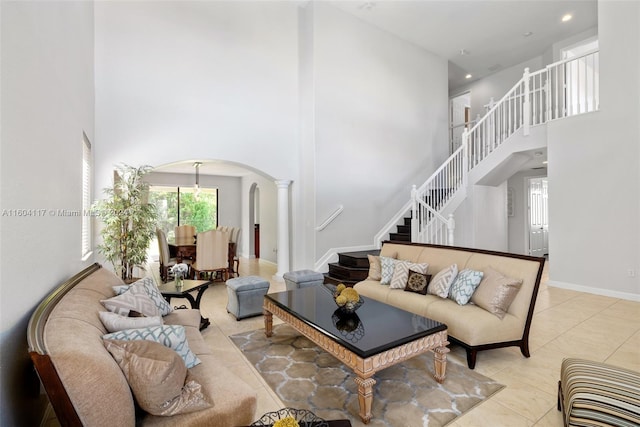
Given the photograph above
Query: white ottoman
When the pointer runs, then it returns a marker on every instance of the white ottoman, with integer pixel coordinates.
(246, 295)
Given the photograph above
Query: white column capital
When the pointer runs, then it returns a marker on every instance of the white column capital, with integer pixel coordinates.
(283, 183)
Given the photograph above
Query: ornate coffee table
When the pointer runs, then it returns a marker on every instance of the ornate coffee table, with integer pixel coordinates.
(376, 337)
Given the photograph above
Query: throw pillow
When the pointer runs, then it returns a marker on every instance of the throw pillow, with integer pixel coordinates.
(374, 268)
(387, 267)
(465, 284)
(401, 273)
(172, 336)
(496, 292)
(157, 375)
(120, 289)
(417, 282)
(142, 296)
(115, 322)
(442, 281)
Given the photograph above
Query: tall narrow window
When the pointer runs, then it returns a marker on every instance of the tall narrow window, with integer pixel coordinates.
(86, 196)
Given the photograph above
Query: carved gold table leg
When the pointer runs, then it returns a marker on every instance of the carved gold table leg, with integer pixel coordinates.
(365, 397)
(268, 322)
(440, 363)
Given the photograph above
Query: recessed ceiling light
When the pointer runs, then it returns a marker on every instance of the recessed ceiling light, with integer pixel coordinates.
(527, 34)
(468, 76)
(367, 5)
(567, 17)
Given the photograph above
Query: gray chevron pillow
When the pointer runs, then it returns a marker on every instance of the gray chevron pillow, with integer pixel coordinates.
(441, 282)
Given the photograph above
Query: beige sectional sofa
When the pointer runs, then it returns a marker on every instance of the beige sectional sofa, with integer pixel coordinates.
(85, 384)
(470, 326)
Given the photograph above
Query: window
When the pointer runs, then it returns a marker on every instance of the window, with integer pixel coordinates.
(179, 206)
(86, 197)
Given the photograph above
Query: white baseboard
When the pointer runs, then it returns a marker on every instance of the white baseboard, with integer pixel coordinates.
(595, 291)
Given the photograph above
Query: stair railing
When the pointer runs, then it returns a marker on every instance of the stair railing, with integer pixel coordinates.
(500, 122)
(562, 89)
(428, 225)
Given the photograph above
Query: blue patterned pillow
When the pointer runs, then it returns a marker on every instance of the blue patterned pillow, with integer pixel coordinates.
(387, 268)
(172, 336)
(465, 284)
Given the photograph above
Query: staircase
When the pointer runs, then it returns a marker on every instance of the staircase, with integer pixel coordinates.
(562, 89)
(351, 268)
(488, 155)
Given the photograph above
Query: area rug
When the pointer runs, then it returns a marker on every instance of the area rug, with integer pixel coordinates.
(306, 377)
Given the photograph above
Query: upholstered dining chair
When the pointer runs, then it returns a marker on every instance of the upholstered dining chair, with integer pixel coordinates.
(167, 258)
(185, 234)
(212, 254)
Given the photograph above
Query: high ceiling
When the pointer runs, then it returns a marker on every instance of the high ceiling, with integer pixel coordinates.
(492, 33)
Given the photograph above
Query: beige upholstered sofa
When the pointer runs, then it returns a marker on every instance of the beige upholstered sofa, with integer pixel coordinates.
(469, 325)
(85, 384)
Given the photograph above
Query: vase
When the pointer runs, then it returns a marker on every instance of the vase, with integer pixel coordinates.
(178, 280)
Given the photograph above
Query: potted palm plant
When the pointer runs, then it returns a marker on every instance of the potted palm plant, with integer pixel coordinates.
(128, 219)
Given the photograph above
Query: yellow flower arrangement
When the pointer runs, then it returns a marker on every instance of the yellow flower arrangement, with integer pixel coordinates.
(287, 421)
(347, 298)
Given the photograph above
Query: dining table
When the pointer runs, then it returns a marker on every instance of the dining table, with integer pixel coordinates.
(187, 252)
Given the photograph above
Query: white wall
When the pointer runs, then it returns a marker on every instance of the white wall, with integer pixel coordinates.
(518, 227)
(209, 80)
(47, 102)
(381, 114)
(481, 219)
(496, 85)
(594, 171)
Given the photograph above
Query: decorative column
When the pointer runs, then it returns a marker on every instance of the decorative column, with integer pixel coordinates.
(283, 228)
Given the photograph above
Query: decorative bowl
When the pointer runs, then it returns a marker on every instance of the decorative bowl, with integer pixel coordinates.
(303, 417)
(348, 325)
(350, 307)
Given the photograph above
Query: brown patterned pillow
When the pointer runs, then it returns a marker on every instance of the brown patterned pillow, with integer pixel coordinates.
(401, 273)
(417, 282)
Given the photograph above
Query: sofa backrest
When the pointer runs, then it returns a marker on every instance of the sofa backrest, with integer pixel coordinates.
(524, 267)
(69, 351)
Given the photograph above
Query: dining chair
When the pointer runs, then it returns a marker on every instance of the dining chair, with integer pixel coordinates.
(185, 234)
(166, 258)
(212, 254)
(235, 239)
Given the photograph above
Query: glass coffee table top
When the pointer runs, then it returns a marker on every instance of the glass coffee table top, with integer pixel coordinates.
(375, 327)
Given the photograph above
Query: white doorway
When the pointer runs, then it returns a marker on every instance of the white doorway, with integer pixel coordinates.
(538, 209)
(459, 119)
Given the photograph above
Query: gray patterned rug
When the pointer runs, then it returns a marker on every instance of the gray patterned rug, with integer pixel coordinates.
(306, 377)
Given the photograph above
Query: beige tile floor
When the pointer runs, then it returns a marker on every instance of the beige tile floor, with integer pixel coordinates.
(566, 324)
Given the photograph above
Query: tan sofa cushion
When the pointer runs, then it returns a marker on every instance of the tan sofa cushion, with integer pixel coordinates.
(234, 402)
(157, 376)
